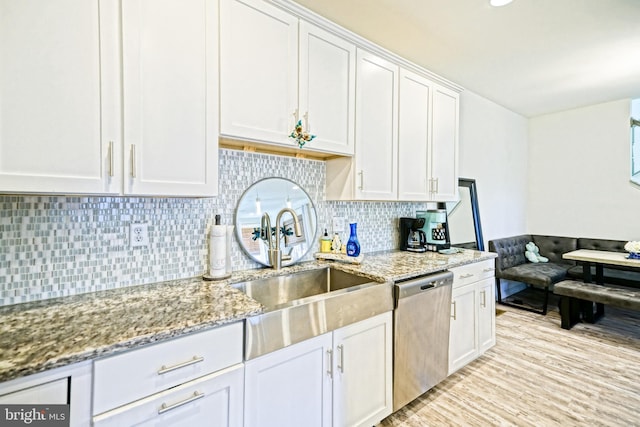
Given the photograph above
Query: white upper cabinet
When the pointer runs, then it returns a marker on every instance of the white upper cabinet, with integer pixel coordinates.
(65, 84)
(428, 140)
(170, 63)
(258, 71)
(372, 173)
(276, 70)
(414, 138)
(444, 152)
(59, 96)
(327, 89)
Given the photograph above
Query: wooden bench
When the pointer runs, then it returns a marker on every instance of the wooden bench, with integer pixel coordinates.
(577, 299)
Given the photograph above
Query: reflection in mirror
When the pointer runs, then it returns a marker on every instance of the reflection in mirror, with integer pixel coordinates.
(463, 217)
(270, 196)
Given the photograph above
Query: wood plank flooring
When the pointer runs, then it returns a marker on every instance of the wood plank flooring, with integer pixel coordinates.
(541, 375)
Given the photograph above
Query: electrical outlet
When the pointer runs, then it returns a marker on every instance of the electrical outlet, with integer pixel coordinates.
(338, 224)
(139, 235)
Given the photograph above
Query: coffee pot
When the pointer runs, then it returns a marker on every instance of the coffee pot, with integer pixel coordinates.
(412, 238)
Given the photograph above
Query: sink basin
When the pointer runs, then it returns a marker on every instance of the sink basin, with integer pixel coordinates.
(301, 305)
(279, 291)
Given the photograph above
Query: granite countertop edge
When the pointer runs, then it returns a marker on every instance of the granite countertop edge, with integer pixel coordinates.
(31, 333)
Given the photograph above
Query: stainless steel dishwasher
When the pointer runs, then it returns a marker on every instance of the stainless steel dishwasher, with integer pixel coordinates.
(421, 335)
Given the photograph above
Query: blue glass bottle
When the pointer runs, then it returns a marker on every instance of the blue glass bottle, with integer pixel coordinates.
(353, 246)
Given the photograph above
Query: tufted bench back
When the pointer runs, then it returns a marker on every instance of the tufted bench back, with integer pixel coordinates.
(510, 251)
(553, 247)
(602, 245)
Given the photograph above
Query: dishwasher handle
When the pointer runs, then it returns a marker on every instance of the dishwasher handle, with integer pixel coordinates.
(422, 284)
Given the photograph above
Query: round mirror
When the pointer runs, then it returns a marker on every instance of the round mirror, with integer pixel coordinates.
(266, 198)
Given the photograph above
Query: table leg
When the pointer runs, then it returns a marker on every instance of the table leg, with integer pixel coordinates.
(586, 272)
(599, 274)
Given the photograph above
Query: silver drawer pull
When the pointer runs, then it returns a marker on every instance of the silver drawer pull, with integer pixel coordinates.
(466, 276)
(454, 314)
(330, 363)
(341, 359)
(486, 270)
(165, 408)
(164, 369)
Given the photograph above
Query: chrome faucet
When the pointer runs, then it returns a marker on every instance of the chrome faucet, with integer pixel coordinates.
(265, 230)
(275, 255)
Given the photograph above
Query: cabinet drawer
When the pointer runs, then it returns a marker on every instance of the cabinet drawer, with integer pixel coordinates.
(51, 393)
(213, 400)
(130, 376)
(470, 273)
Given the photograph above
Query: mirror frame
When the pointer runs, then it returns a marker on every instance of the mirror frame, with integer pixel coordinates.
(475, 210)
(238, 231)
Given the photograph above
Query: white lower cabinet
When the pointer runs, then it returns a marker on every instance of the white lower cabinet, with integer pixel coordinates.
(194, 380)
(342, 378)
(214, 400)
(472, 313)
(70, 385)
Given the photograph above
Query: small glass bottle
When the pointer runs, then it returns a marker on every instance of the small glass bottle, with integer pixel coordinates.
(353, 246)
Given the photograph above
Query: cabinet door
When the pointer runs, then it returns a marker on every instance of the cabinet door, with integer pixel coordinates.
(362, 384)
(291, 386)
(463, 340)
(214, 400)
(170, 97)
(414, 136)
(258, 71)
(444, 152)
(486, 314)
(376, 128)
(59, 105)
(327, 89)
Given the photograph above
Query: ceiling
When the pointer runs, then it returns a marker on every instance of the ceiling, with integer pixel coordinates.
(532, 56)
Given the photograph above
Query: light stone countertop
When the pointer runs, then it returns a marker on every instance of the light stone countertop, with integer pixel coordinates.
(47, 334)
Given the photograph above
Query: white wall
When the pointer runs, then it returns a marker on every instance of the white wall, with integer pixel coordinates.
(579, 162)
(493, 151)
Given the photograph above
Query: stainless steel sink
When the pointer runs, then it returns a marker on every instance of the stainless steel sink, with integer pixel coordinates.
(309, 303)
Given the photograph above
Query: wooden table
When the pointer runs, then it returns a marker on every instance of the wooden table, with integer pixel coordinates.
(600, 258)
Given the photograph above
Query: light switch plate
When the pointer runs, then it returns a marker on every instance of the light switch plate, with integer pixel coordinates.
(338, 224)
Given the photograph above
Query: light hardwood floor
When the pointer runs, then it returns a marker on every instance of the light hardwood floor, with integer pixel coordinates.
(541, 375)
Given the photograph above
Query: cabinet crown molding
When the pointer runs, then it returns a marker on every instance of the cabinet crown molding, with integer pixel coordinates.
(312, 17)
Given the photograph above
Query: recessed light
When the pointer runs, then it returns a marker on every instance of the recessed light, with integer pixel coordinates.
(498, 3)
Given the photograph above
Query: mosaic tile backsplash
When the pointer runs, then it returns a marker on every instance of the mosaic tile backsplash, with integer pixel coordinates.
(53, 246)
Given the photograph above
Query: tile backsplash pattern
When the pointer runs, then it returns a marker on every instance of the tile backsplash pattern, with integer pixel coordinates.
(54, 246)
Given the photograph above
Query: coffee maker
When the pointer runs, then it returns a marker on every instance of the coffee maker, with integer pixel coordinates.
(412, 238)
(436, 228)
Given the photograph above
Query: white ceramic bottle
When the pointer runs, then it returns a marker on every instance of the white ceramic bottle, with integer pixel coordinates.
(218, 250)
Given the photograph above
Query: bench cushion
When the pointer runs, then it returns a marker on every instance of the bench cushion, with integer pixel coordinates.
(619, 296)
(541, 274)
(612, 275)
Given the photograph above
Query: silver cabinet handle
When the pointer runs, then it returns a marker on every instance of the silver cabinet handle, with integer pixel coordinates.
(165, 408)
(133, 160)
(330, 363)
(111, 158)
(466, 276)
(454, 310)
(437, 185)
(486, 270)
(361, 173)
(484, 298)
(306, 121)
(341, 359)
(164, 369)
(296, 115)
